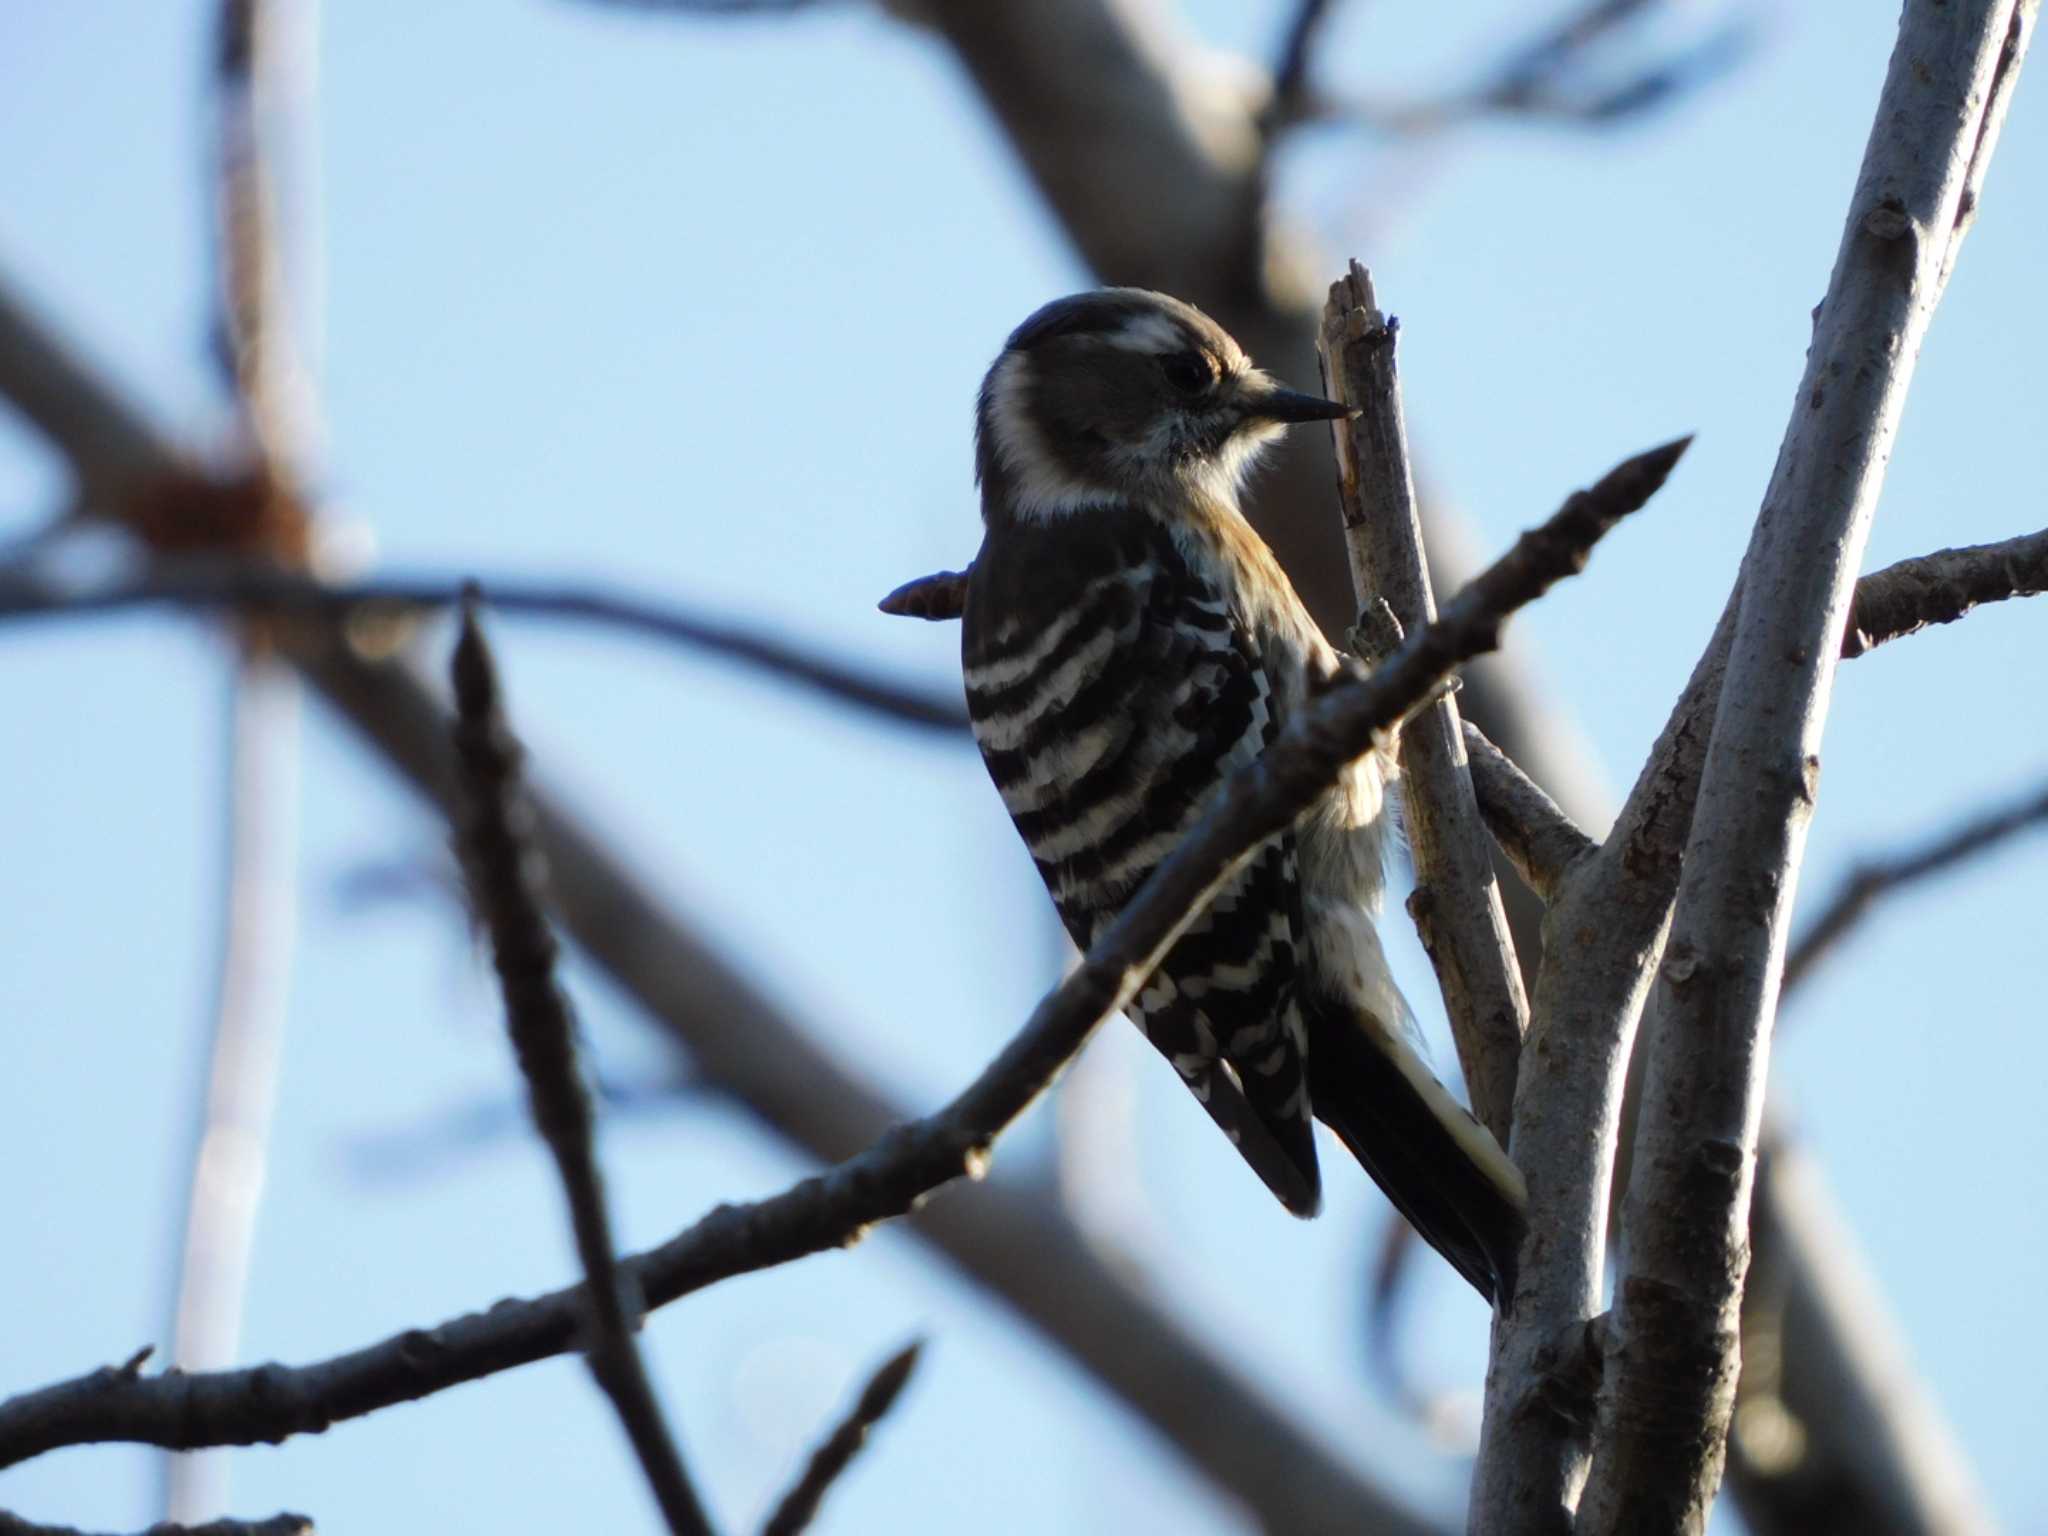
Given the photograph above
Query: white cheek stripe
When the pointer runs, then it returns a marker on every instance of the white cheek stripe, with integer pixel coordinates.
(1043, 488)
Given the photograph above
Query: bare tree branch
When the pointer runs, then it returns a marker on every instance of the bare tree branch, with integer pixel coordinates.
(228, 583)
(1835, 1433)
(1457, 902)
(1870, 1449)
(276, 1525)
(1609, 914)
(1608, 919)
(1902, 599)
(1611, 917)
(1291, 95)
(505, 880)
(252, 328)
(1665, 1406)
(1545, 845)
(1546, 78)
(1538, 838)
(1875, 878)
(799, 1507)
(111, 449)
(254, 335)
(1940, 588)
(238, 1086)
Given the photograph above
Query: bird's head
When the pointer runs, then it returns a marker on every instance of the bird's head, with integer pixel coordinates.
(1124, 395)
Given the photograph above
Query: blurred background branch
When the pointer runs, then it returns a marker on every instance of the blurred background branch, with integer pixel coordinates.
(254, 96)
(388, 603)
(1878, 877)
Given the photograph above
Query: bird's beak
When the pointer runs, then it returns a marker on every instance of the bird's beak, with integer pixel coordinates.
(1292, 406)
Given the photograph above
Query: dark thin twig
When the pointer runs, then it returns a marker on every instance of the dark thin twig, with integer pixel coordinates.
(1289, 101)
(800, 1505)
(418, 1149)
(1874, 879)
(276, 1525)
(1393, 1271)
(891, 1177)
(249, 585)
(1545, 78)
(505, 876)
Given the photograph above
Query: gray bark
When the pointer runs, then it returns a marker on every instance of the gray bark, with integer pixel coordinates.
(1664, 1407)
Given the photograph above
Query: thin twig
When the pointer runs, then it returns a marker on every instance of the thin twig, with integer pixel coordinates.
(276, 1525)
(238, 1088)
(1876, 878)
(1448, 1418)
(1540, 840)
(1545, 79)
(911, 1161)
(800, 1505)
(416, 1150)
(1457, 900)
(253, 329)
(1289, 102)
(506, 876)
(259, 587)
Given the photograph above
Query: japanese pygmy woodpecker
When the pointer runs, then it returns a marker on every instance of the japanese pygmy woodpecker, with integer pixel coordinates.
(1129, 642)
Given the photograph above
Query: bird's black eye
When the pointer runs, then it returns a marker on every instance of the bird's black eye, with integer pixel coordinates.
(1189, 372)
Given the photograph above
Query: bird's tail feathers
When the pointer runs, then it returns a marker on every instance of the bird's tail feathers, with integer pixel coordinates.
(1285, 1162)
(1440, 1167)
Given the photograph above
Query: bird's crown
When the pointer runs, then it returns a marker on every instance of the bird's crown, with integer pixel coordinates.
(1122, 395)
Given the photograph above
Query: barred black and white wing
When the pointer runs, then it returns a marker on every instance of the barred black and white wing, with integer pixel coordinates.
(1113, 690)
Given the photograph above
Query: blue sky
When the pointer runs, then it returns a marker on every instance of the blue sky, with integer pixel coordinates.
(702, 308)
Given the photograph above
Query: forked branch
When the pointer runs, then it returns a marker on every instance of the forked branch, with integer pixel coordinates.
(1457, 902)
